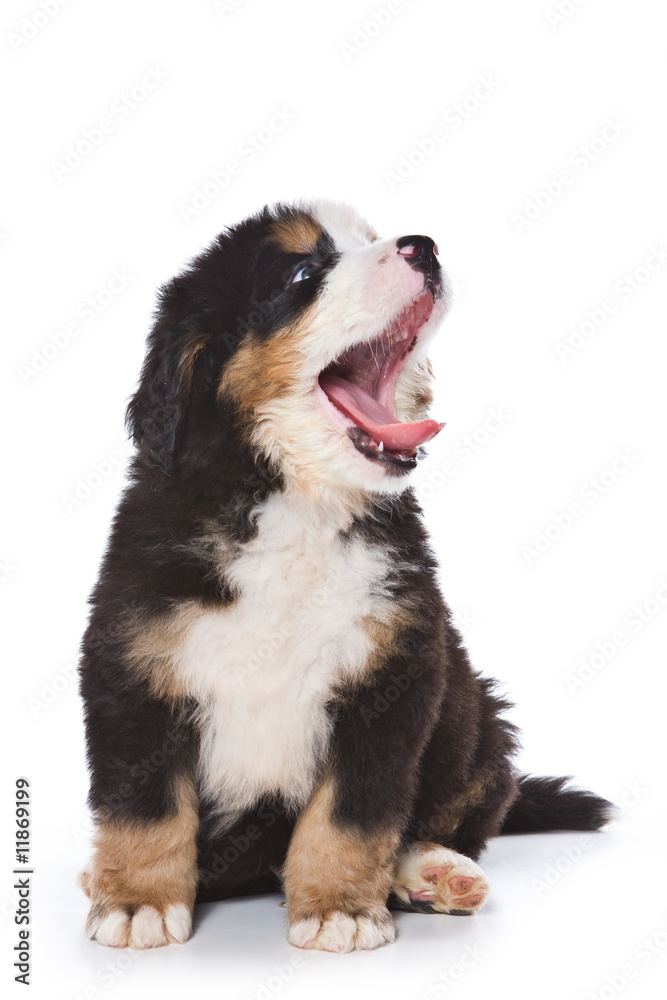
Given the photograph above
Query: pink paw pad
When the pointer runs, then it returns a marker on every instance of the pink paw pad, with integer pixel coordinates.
(460, 884)
(453, 884)
(436, 873)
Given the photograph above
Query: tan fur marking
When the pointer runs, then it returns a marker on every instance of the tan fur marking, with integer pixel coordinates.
(188, 358)
(386, 637)
(146, 864)
(448, 818)
(265, 380)
(423, 399)
(414, 394)
(297, 235)
(260, 372)
(152, 648)
(424, 395)
(329, 868)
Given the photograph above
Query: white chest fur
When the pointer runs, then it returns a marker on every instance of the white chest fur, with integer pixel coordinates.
(264, 668)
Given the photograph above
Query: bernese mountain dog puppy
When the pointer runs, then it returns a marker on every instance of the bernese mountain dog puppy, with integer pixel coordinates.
(275, 696)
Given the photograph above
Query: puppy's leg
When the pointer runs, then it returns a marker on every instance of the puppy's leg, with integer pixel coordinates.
(342, 854)
(337, 879)
(143, 875)
(467, 778)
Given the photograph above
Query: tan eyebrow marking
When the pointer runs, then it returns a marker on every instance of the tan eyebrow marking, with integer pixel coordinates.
(296, 235)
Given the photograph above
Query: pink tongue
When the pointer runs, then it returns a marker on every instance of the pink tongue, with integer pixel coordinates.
(376, 419)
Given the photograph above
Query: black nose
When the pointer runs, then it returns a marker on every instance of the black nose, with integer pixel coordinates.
(420, 252)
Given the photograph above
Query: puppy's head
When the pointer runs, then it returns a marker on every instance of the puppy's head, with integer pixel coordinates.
(306, 334)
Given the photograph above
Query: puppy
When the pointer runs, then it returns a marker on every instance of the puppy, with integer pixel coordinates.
(275, 696)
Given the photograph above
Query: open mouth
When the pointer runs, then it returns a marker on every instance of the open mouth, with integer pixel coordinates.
(361, 383)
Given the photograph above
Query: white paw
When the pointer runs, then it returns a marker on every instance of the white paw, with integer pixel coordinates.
(433, 879)
(146, 927)
(343, 932)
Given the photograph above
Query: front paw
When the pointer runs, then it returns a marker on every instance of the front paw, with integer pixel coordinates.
(342, 932)
(140, 927)
(142, 879)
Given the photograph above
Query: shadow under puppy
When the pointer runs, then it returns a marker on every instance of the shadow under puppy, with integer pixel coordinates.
(274, 693)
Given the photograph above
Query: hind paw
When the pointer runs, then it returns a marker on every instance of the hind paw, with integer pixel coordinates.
(432, 879)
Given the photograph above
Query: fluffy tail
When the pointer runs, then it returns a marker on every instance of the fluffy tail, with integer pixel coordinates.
(544, 804)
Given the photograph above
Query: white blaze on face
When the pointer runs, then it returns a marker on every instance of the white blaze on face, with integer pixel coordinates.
(342, 222)
(369, 285)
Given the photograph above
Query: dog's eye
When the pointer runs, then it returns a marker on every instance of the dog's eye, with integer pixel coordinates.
(304, 272)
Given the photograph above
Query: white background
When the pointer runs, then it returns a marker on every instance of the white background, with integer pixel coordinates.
(566, 918)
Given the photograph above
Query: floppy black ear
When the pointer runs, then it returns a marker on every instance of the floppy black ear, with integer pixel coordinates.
(156, 411)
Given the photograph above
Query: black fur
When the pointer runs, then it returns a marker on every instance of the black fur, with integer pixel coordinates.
(397, 762)
(546, 804)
